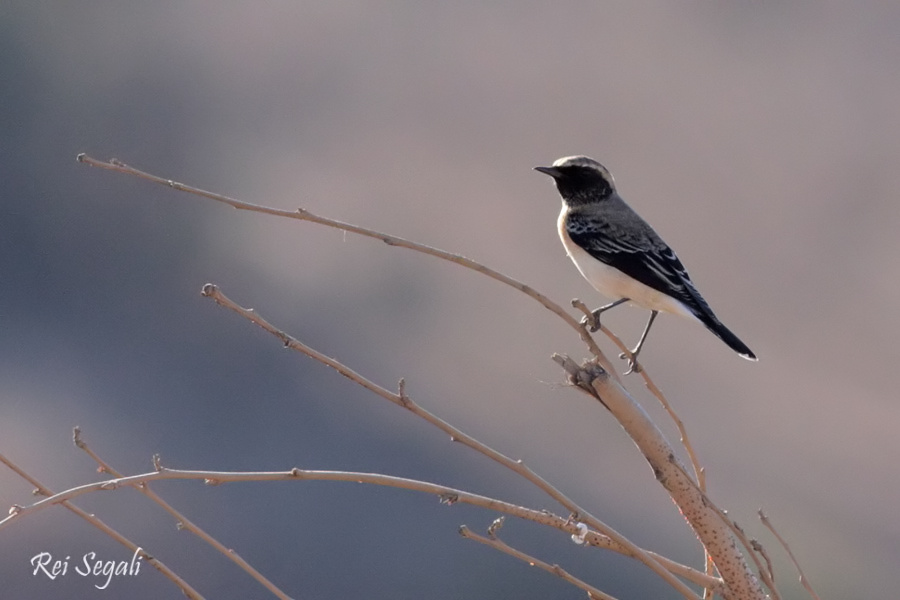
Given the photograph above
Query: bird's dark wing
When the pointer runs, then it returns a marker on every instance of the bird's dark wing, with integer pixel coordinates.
(635, 249)
(640, 253)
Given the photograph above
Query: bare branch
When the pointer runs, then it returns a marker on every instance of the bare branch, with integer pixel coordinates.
(517, 466)
(220, 477)
(765, 573)
(183, 522)
(714, 534)
(445, 494)
(494, 542)
(391, 240)
(596, 378)
(699, 472)
(157, 564)
(708, 582)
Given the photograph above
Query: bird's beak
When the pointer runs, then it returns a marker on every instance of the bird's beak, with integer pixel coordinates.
(551, 171)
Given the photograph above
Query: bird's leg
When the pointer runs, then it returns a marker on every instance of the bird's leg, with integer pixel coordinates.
(633, 366)
(594, 321)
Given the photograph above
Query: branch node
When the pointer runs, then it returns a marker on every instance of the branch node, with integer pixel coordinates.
(157, 463)
(496, 525)
(448, 499)
(401, 393)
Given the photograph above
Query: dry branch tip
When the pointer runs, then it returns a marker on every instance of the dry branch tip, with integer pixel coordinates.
(76, 437)
(803, 580)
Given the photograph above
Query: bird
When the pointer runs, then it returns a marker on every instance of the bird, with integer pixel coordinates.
(621, 255)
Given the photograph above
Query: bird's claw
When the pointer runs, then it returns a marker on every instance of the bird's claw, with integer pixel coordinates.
(592, 322)
(633, 365)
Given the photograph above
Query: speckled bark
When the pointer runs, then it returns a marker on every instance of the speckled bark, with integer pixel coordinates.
(714, 534)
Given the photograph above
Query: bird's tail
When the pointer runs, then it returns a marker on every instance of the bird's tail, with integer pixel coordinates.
(724, 334)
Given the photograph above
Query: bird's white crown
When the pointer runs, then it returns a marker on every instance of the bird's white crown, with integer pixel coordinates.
(584, 162)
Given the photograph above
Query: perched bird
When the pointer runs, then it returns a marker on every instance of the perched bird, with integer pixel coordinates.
(620, 254)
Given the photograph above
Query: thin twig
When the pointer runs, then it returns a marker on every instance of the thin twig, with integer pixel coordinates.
(757, 547)
(517, 466)
(496, 543)
(784, 544)
(304, 215)
(447, 495)
(157, 564)
(183, 522)
(682, 431)
(699, 578)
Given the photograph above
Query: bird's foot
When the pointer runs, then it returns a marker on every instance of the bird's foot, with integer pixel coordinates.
(591, 318)
(633, 365)
(592, 321)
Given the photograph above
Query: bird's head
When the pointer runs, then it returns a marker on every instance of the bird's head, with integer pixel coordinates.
(580, 179)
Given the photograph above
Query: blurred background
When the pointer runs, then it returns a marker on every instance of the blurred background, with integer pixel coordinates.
(760, 140)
